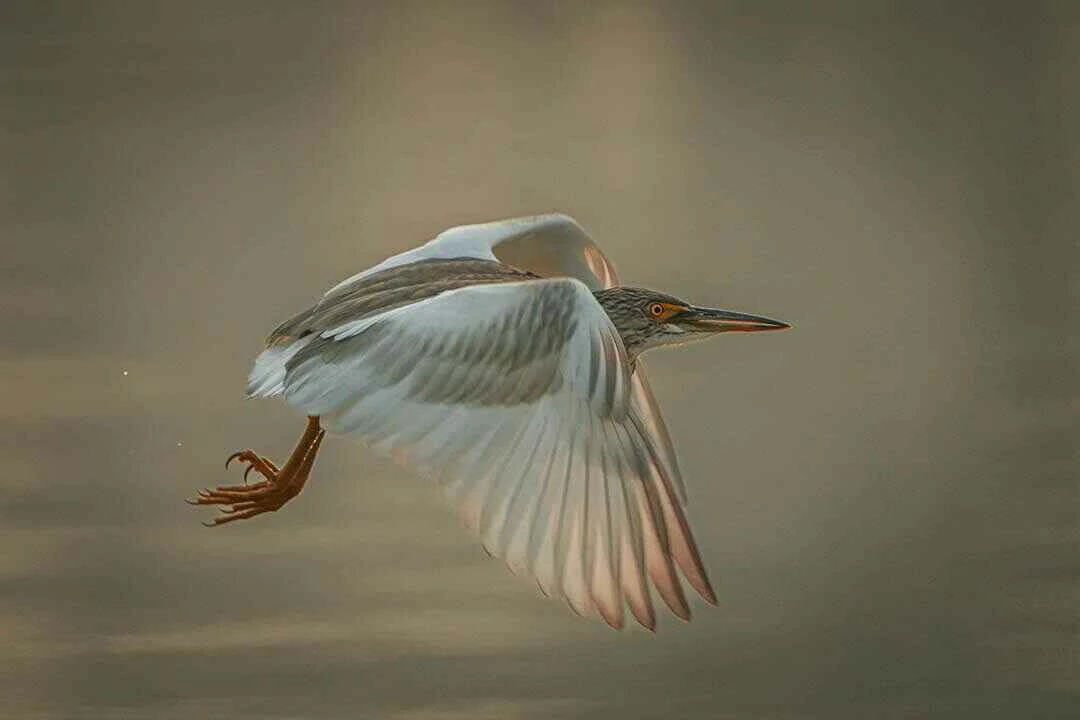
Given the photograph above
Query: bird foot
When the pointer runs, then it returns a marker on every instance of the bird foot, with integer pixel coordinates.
(279, 486)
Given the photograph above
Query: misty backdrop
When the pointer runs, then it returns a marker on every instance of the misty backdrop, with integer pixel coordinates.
(886, 496)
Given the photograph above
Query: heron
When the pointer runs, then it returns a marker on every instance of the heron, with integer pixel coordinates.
(503, 360)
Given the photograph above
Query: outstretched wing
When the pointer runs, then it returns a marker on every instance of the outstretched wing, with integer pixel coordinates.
(518, 398)
(552, 245)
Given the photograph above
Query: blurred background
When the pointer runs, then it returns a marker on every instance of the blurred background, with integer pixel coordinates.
(886, 495)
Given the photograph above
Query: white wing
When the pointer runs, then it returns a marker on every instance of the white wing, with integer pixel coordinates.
(552, 245)
(518, 399)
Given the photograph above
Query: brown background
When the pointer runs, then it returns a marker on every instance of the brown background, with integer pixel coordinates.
(886, 495)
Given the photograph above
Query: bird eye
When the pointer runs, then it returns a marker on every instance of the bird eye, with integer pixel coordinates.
(656, 309)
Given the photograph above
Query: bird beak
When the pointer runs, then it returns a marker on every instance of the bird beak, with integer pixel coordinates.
(717, 321)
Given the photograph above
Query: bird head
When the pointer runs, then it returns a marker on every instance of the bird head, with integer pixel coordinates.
(646, 319)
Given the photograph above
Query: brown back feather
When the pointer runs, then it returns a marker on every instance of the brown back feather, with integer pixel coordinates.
(391, 288)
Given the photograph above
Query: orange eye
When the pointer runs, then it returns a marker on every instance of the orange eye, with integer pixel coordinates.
(656, 309)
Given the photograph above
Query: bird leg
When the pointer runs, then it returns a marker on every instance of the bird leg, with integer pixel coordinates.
(279, 486)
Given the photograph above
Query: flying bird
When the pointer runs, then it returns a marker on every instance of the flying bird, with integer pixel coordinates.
(503, 360)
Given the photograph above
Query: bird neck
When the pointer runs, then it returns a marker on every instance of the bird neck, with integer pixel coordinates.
(622, 317)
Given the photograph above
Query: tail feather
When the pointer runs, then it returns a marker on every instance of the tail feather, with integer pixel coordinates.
(267, 377)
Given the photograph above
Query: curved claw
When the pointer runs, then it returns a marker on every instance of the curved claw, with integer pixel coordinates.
(240, 502)
(232, 457)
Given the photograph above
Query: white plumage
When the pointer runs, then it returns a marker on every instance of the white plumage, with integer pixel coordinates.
(520, 400)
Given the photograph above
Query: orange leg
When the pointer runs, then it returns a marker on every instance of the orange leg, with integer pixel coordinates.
(279, 487)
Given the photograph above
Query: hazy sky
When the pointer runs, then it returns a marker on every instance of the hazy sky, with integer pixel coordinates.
(886, 496)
